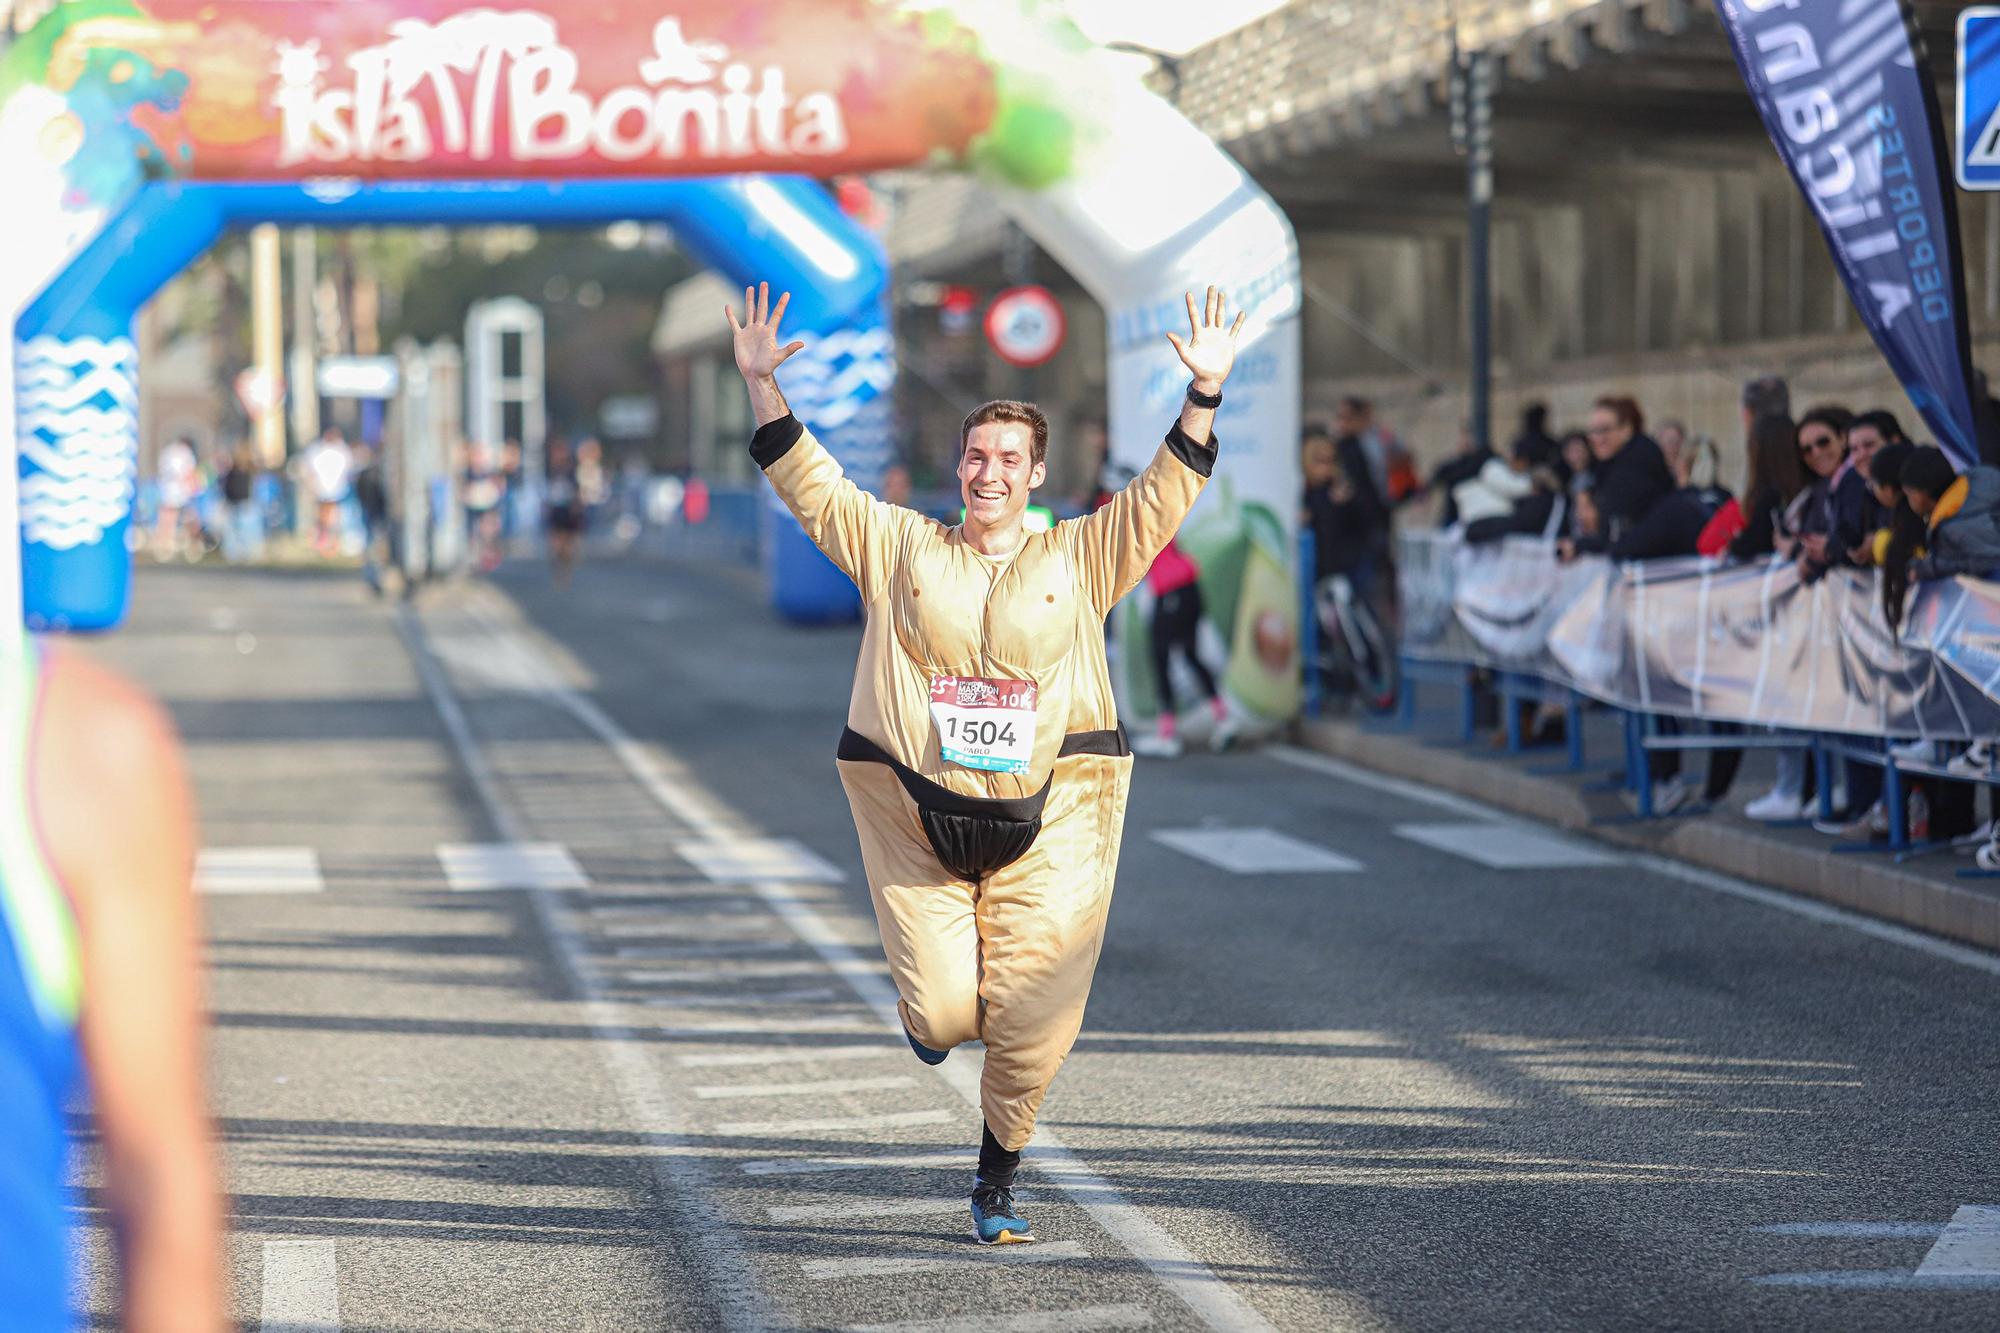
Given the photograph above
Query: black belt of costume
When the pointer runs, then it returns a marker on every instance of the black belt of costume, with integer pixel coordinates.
(974, 836)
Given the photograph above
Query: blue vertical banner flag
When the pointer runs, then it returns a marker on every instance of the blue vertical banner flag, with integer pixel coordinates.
(1847, 95)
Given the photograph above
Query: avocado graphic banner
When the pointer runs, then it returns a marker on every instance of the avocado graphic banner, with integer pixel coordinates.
(1846, 93)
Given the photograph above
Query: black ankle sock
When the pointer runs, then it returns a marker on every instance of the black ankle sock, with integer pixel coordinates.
(996, 1164)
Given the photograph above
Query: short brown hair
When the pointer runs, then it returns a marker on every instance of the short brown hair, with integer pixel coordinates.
(1626, 409)
(1009, 410)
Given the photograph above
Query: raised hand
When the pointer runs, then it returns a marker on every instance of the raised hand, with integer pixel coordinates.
(1209, 350)
(757, 350)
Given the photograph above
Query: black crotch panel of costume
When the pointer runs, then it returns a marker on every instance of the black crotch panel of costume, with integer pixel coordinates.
(973, 836)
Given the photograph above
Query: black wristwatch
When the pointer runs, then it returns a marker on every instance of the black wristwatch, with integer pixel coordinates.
(1211, 401)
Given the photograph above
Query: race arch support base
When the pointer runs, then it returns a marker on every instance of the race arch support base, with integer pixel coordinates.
(76, 366)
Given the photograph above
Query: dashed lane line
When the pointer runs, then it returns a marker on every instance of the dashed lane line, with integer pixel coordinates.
(811, 1166)
(1213, 1301)
(893, 1265)
(301, 1287)
(864, 1209)
(1083, 1319)
(787, 1055)
(834, 1124)
(826, 1087)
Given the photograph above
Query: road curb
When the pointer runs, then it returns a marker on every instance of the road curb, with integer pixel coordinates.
(1856, 883)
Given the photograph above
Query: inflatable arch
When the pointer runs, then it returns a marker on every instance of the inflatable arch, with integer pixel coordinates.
(136, 131)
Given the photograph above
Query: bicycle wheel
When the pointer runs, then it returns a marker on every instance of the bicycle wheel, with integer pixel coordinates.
(1374, 658)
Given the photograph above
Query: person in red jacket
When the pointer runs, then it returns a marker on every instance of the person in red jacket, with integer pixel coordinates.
(1174, 582)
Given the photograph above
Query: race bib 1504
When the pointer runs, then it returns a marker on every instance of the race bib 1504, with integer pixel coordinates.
(982, 723)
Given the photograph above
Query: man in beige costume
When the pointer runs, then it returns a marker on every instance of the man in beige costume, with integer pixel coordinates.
(983, 758)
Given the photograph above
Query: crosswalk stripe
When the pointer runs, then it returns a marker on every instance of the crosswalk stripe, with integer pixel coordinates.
(866, 1208)
(963, 1159)
(1969, 1247)
(1256, 851)
(707, 950)
(742, 859)
(893, 1120)
(1505, 846)
(1039, 1321)
(830, 1087)
(822, 1270)
(774, 1000)
(258, 870)
(751, 971)
(787, 1055)
(471, 867)
(301, 1287)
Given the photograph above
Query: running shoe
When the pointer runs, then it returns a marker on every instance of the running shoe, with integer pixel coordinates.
(1774, 806)
(1976, 761)
(995, 1219)
(1988, 856)
(925, 1053)
(1915, 752)
(1870, 824)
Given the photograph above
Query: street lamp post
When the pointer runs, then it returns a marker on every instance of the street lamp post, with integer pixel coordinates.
(1472, 128)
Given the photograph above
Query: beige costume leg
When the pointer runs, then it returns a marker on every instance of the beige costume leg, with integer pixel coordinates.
(1041, 923)
(926, 916)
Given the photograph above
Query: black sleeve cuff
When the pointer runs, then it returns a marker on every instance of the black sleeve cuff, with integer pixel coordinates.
(1198, 457)
(774, 439)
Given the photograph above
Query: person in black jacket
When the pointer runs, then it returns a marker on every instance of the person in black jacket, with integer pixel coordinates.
(1772, 480)
(1348, 518)
(1630, 477)
(1836, 513)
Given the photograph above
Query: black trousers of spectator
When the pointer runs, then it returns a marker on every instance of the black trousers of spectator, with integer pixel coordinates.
(1176, 615)
(1722, 764)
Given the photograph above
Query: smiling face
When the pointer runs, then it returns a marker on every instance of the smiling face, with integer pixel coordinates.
(1821, 447)
(996, 470)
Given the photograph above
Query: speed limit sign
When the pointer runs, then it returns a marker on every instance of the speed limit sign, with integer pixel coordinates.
(1025, 326)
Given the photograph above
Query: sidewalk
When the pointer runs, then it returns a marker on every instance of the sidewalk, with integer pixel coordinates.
(1923, 890)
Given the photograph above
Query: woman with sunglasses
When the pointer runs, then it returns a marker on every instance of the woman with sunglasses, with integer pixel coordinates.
(1837, 494)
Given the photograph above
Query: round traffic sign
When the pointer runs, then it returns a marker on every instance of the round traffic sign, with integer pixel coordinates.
(1025, 326)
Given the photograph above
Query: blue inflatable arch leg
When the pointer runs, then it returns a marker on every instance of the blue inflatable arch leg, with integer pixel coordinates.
(77, 366)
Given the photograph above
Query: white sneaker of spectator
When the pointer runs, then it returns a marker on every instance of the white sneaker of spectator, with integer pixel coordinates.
(1975, 762)
(1152, 745)
(1988, 857)
(1915, 752)
(1870, 823)
(1775, 806)
(1670, 794)
(1979, 837)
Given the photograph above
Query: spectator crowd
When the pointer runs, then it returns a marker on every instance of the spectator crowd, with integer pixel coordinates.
(1826, 489)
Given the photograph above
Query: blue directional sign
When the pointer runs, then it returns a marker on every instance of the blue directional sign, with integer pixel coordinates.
(1979, 98)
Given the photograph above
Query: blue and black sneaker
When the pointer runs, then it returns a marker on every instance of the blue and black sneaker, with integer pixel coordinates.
(925, 1053)
(995, 1219)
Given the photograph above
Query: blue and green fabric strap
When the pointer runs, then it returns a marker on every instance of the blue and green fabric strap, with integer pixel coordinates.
(33, 907)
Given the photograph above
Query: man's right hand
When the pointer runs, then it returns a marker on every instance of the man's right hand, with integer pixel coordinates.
(758, 355)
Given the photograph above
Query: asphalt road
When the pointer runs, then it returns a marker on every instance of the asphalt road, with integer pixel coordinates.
(1452, 1071)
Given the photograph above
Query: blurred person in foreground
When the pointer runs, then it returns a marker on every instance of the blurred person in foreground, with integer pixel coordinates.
(99, 976)
(982, 758)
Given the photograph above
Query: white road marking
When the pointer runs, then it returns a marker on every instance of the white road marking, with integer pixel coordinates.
(1214, 1302)
(964, 1159)
(788, 1055)
(772, 1000)
(1363, 777)
(1969, 1247)
(835, 1024)
(471, 867)
(893, 1120)
(725, 1271)
(867, 1208)
(1506, 846)
(723, 976)
(1082, 1318)
(1853, 1230)
(887, 1265)
(737, 859)
(659, 953)
(301, 1287)
(1714, 881)
(258, 870)
(1255, 851)
(1881, 1279)
(829, 1087)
